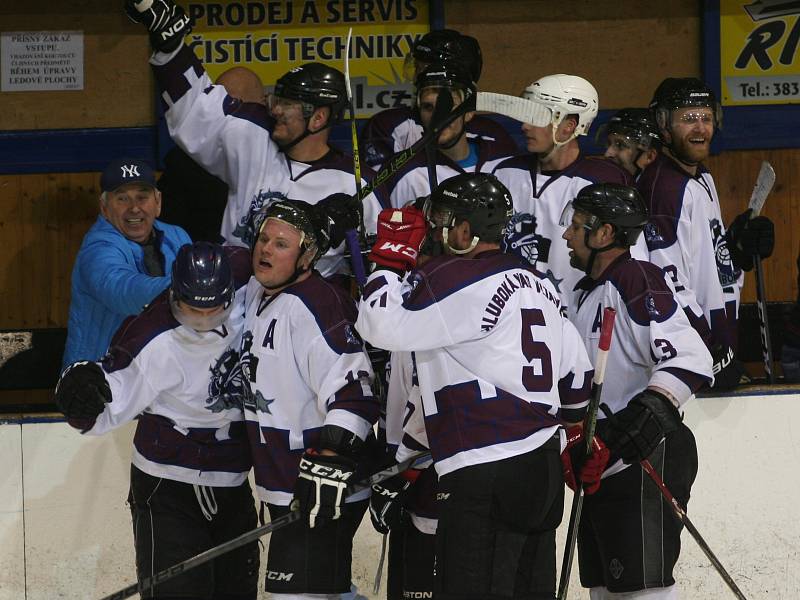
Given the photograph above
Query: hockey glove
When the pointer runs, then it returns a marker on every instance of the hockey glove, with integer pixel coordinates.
(386, 502)
(321, 486)
(341, 211)
(165, 20)
(590, 468)
(400, 236)
(747, 237)
(82, 391)
(726, 367)
(637, 430)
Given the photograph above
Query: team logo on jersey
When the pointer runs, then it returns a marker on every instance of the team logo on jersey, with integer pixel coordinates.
(226, 389)
(248, 366)
(245, 229)
(520, 238)
(351, 336)
(553, 279)
(651, 234)
(727, 273)
(615, 568)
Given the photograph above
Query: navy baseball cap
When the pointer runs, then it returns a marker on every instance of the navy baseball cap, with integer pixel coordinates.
(124, 171)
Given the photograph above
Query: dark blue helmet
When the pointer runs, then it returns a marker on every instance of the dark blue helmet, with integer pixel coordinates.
(202, 276)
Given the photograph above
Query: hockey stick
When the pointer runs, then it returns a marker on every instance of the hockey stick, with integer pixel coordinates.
(681, 515)
(251, 536)
(589, 425)
(352, 236)
(764, 183)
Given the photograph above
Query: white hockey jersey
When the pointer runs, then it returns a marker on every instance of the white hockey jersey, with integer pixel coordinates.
(231, 140)
(686, 238)
(178, 383)
(303, 366)
(653, 343)
(395, 129)
(534, 232)
(499, 367)
(412, 181)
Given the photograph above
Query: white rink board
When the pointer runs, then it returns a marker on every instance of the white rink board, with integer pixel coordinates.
(79, 545)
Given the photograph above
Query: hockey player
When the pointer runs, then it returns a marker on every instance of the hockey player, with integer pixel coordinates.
(631, 139)
(263, 153)
(455, 151)
(542, 183)
(499, 368)
(628, 542)
(396, 129)
(172, 368)
(308, 403)
(686, 236)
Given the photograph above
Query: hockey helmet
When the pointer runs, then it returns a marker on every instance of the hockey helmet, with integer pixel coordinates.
(619, 205)
(448, 44)
(565, 95)
(478, 198)
(306, 218)
(634, 124)
(314, 85)
(202, 278)
(683, 92)
(446, 74)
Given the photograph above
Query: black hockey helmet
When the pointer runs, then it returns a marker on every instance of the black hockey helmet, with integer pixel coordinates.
(619, 205)
(683, 92)
(202, 276)
(308, 219)
(315, 85)
(446, 73)
(478, 198)
(635, 124)
(448, 44)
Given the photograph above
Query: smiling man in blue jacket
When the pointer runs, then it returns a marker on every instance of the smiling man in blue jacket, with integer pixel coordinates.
(124, 261)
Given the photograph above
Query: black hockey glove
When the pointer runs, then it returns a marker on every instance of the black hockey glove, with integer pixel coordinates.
(747, 237)
(727, 368)
(637, 430)
(165, 20)
(341, 212)
(321, 486)
(82, 391)
(386, 503)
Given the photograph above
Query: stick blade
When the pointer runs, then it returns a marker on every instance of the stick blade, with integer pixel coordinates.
(764, 183)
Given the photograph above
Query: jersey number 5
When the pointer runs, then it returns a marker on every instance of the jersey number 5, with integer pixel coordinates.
(535, 351)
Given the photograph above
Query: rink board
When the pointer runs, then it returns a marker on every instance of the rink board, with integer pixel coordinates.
(65, 529)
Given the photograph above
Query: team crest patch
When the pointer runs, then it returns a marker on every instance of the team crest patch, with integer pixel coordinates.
(727, 273)
(650, 305)
(245, 229)
(520, 238)
(351, 336)
(615, 568)
(225, 389)
(651, 234)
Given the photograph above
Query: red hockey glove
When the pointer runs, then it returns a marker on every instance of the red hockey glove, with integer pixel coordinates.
(591, 467)
(400, 236)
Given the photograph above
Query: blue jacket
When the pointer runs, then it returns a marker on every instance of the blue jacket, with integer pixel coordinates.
(109, 283)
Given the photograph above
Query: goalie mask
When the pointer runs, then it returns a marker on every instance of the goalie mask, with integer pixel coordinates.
(202, 281)
(478, 198)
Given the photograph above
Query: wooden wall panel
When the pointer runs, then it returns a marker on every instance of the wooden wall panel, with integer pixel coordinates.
(624, 48)
(43, 219)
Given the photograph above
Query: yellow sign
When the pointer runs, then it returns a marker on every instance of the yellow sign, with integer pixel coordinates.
(759, 59)
(271, 37)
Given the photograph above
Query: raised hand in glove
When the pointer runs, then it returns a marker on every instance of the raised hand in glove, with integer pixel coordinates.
(341, 211)
(82, 391)
(386, 501)
(637, 430)
(590, 468)
(165, 20)
(400, 236)
(321, 486)
(748, 237)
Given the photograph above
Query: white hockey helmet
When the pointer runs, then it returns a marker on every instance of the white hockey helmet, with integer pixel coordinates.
(565, 95)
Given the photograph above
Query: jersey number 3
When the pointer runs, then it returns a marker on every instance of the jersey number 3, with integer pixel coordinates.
(541, 381)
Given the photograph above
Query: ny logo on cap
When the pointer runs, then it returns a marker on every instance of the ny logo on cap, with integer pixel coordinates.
(130, 171)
